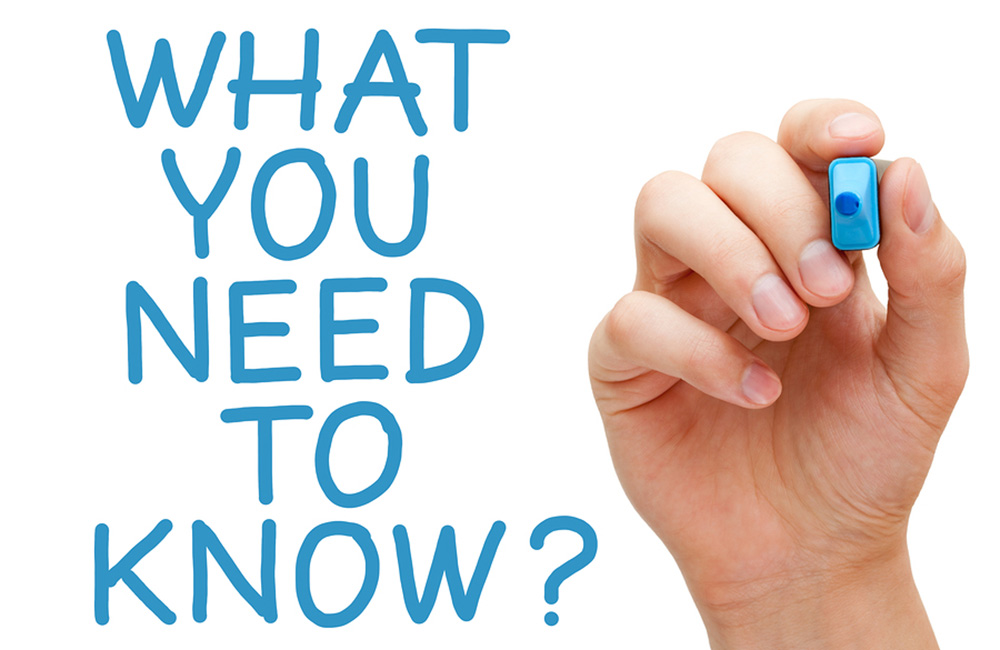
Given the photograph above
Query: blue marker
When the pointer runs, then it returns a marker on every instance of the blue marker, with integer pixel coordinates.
(854, 204)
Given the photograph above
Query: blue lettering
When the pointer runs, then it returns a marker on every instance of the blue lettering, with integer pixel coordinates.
(445, 565)
(161, 68)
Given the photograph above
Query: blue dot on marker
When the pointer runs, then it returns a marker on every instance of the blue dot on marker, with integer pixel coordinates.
(551, 618)
(847, 203)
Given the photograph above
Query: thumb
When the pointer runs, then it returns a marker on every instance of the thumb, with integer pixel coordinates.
(923, 344)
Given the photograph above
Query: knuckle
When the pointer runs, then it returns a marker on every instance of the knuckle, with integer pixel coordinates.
(727, 147)
(959, 371)
(730, 253)
(796, 206)
(953, 268)
(702, 349)
(796, 114)
(659, 190)
(624, 319)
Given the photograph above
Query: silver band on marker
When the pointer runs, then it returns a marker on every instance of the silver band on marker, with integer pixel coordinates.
(881, 166)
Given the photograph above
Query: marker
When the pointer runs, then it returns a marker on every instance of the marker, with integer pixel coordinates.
(854, 222)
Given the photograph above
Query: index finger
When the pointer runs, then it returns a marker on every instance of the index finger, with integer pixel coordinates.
(816, 131)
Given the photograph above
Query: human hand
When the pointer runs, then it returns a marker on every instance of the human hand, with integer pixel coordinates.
(786, 514)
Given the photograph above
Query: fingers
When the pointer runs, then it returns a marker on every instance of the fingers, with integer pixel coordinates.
(814, 132)
(923, 345)
(751, 242)
(761, 182)
(766, 250)
(648, 332)
(684, 219)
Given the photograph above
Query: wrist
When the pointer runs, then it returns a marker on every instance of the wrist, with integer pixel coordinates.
(871, 605)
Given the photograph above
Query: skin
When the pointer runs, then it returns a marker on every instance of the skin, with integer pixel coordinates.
(768, 418)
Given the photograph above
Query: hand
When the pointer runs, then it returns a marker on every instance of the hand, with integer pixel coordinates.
(767, 417)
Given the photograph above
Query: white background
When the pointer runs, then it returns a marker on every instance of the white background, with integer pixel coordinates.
(530, 210)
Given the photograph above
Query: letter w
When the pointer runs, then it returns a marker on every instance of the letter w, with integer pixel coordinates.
(161, 68)
(445, 565)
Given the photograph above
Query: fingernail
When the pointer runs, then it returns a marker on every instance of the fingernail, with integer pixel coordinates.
(853, 126)
(776, 305)
(760, 385)
(823, 270)
(920, 212)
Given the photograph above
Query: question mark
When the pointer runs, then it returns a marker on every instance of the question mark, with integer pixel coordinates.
(571, 566)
